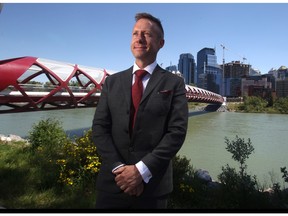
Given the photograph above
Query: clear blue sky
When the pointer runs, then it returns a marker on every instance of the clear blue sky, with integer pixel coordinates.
(98, 34)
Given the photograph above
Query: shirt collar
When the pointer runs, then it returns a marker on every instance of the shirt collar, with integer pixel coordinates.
(149, 68)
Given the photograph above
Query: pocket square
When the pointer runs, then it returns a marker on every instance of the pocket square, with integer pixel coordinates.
(165, 92)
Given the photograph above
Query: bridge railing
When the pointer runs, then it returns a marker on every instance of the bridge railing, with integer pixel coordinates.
(18, 93)
(201, 95)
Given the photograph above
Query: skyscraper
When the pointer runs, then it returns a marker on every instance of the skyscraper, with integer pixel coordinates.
(234, 71)
(209, 73)
(187, 67)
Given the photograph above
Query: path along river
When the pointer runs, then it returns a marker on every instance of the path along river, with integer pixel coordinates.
(205, 140)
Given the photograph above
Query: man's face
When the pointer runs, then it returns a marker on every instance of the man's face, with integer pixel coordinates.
(146, 40)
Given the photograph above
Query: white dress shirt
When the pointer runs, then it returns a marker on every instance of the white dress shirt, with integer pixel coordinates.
(142, 168)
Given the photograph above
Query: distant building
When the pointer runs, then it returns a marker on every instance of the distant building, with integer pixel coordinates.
(282, 73)
(260, 86)
(233, 73)
(280, 78)
(273, 72)
(209, 73)
(254, 72)
(171, 68)
(187, 67)
(282, 88)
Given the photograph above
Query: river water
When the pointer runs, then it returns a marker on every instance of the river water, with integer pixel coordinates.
(205, 141)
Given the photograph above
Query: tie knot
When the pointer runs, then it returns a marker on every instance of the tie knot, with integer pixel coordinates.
(140, 73)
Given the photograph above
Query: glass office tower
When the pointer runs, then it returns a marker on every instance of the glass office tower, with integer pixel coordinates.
(209, 73)
(187, 67)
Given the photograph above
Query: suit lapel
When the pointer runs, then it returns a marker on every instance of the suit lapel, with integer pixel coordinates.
(126, 79)
(154, 79)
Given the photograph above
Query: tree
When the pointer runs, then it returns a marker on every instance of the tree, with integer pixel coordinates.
(238, 188)
(240, 151)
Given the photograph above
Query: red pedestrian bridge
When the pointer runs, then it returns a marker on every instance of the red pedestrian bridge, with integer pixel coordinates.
(31, 84)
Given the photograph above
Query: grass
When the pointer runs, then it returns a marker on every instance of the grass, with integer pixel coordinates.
(28, 183)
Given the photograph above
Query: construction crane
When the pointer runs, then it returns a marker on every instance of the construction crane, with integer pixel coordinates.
(223, 69)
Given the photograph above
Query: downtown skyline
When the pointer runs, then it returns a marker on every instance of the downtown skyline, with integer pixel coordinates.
(99, 34)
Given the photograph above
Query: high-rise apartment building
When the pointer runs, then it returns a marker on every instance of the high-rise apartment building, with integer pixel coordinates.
(209, 73)
(187, 67)
(233, 73)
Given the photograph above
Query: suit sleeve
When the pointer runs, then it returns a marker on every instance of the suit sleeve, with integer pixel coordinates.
(175, 133)
(101, 131)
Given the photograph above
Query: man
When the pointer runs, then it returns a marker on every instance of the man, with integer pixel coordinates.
(136, 151)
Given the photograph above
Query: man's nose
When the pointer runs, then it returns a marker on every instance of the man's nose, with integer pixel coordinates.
(140, 38)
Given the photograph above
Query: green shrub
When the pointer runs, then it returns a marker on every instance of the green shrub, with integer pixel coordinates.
(254, 104)
(47, 135)
(80, 162)
(189, 191)
(281, 105)
(183, 173)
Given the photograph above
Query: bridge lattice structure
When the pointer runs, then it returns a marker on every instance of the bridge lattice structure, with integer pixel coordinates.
(67, 85)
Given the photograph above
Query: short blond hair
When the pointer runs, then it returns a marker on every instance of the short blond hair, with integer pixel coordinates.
(148, 16)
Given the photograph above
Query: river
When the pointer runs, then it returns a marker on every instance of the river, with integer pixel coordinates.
(205, 141)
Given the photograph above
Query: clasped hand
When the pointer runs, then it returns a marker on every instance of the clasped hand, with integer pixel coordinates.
(129, 180)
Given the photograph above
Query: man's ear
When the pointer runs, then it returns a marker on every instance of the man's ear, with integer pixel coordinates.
(162, 42)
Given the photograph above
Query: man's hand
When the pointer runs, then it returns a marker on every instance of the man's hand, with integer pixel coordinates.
(137, 191)
(129, 180)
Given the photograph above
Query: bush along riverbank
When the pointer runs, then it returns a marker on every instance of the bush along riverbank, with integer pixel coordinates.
(255, 104)
(51, 171)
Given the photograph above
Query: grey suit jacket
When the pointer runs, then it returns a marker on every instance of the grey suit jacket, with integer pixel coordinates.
(158, 133)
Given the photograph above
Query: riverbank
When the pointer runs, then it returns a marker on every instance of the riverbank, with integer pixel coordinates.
(27, 184)
(259, 105)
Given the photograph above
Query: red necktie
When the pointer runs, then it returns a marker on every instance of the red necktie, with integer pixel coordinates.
(137, 91)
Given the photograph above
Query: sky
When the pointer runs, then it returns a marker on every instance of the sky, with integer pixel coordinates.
(99, 34)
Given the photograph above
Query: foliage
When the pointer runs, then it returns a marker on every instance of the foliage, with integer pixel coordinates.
(24, 186)
(285, 174)
(80, 162)
(240, 151)
(190, 192)
(253, 104)
(281, 105)
(47, 136)
(31, 174)
(183, 173)
(53, 158)
(46, 139)
(240, 186)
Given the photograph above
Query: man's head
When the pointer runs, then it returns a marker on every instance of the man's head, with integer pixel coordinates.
(147, 39)
(153, 19)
